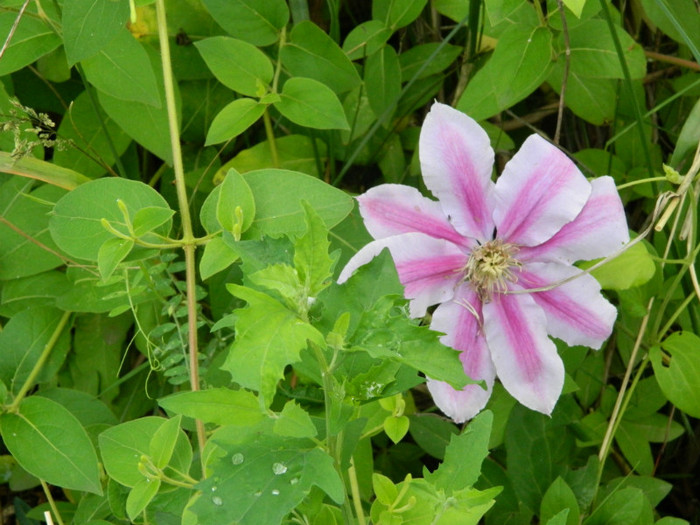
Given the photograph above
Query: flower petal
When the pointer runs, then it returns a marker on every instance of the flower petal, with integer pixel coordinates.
(456, 160)
(539, 191)
(460, 320)
(428, 268)
(526, 360)
(599, 230)
(391, 209)
(576, 311)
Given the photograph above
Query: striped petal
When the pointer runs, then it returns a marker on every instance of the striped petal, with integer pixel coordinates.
(456, 160)
(539, 191)
(576, 311)
(526, 360)
(599, 230)
(460, 320)
(428, 268)
(391, 209)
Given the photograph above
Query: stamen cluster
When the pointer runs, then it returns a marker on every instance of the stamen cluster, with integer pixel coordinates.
(490, 266)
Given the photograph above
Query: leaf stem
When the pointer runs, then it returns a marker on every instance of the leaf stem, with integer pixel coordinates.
(189, 243)
(52, 503)
(355, 490)
(270, 133)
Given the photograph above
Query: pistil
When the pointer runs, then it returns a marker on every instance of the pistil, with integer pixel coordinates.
(490, 267)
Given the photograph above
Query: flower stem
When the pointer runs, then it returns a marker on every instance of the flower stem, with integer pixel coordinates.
(188, 240)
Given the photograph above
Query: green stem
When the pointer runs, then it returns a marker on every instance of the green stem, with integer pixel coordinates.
(46, 352)
(188, 239)
(271, 139)
(355, 489)
(52, 503)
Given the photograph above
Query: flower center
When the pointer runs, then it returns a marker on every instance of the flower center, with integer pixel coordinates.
(490, 267)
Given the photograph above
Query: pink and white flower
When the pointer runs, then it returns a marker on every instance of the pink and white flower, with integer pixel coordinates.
(478, 250)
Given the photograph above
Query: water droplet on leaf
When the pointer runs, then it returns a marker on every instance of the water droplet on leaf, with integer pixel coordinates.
(237, 458)
(275, 492)
(279, 468)
(216, 500)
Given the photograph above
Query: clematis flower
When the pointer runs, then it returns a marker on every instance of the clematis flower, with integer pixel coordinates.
(493, 256)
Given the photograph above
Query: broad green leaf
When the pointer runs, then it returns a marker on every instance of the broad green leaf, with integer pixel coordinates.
(622, 508)
(150, 218)
(680, 380)
(635, 447)
(631, 268)
(34, 291)
(397, 13)
(90, 25)
(310, 52)
(518, 66)
(87, 409)
(262, 477)
(502, 10)
(294, 422)
(412, 60)
(592, 99)
(309, 103)
(221, 406)
(683, 25)
(283, 279)
(396, 427)
(76, 221)
(463, 456)
(32, 39)
(32, 168)
(432, 433)
(163, 442)
(454, 9)
(311, 258)
(23, 224)
(50, 443)
(93, 135)
(122, 446)
(111, 253)
(123, 70)
(23, 340)
(237, 64)
(576, 7)
(383, 80)
(235, 209)
(234, 119)
(558, 498)
(251, 20)
(140, 496)
(384, 489)
(217, 256)
(268, 338)
(366, 39)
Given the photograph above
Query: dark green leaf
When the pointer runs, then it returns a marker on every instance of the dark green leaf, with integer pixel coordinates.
(251, 20)
(89, 26)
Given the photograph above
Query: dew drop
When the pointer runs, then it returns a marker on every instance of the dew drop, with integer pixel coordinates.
(294, 481)
(216, 500)
(275, 492)
(237, 458)
(214, 489)
(279, 468)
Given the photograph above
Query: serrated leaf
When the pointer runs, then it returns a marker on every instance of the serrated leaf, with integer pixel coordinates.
(294, 422)
(309, 103)
(281, 278)
(220, 406)
(269, 337)
(311, 258)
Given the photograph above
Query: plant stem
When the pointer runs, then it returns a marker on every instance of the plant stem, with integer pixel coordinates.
(188, 239)
(355, 489)
(46, 352)
(52, 503)
(270, 133)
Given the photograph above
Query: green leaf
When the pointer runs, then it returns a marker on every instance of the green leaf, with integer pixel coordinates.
(311, 259)
(251, 20)
(235, 208)
(163, 442)
(518, 66)
(22, 342)
(149, 218)
(384, 489)
(366, 39)
(122, 446)
(622, 508)
(97, 134)
(283, 279)
(397, 13)
(631, 268)
(221, 406)
(34, 291)
(440, 55)
(89, 26)
(268, 338)
(19, 256)
(141, 495)
(217, 256)
(576, 6)
(396, 427)
(233, 120)
(679, 379)
(311, 53)
(294, 422)
(682, 26)
(76, 221)
(32, 39)
(432, 433)
(309, 103)
(237, 64)
(123, 71)
(463, 456)
(111, 253)
(49, 443)
(558, 498)
(592, 99)
(32, 168)
(383, 80)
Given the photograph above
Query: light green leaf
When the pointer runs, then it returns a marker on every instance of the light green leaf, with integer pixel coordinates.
(149, 218)
(294, 422)
(123, 71)
(366, 39)
(680, 380)
(282, 278)
(76, 221)
(141, 495)
(32, 168)
(576, 6)
(631, 268)
(50, 443)
(235, 209)
(251, 20)
(111, 253)
(32, 39)
(163, 442)
(237, 64)
(233, 120)
(217, 256)
(311, 259)
(309, 103)
(90, 25)
(311, 53)
(268, 338)
(221, 406)
(384, 489)
(396, 427)
(383, 80)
